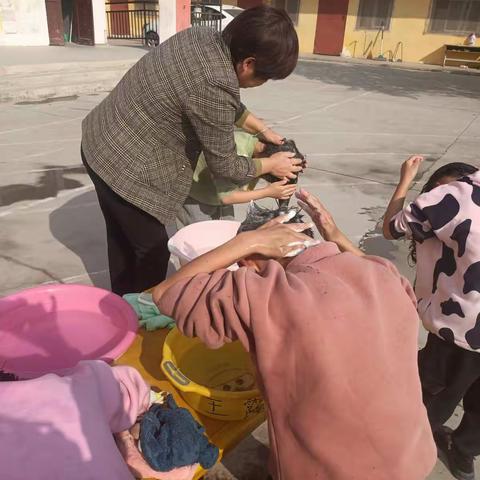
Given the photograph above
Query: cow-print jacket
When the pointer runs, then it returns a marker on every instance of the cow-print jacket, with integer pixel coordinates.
(445, 224)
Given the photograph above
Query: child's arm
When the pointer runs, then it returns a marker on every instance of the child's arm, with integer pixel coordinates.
(212, 303)
(271, 241)
(325, 223)
(407, 176)
(279, 190)
(257, 127)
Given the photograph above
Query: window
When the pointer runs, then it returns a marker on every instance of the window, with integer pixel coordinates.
(455, 16)
(291, 6)
(374, 14)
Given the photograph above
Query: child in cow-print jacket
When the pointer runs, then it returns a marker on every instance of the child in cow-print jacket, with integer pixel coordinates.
(444, 226)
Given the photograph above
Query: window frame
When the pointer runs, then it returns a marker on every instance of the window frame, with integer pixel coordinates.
(374, 29)
(454, 33)
(293, 15)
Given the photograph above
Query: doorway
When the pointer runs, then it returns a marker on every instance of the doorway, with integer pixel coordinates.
(82, 24)
(55, 22)
(67, 14)
(330, 31)
(70, 21)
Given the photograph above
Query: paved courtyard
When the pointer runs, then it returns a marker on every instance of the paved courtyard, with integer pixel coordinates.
(355, 123)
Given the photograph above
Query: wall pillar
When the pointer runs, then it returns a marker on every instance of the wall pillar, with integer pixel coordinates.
(183, 14)
(99, 21)
(174, 17)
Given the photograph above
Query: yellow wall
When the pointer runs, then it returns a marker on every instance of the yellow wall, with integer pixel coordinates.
(409, 25)
(307, 23)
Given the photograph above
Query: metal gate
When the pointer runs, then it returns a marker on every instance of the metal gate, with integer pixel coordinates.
(134, 20)
(207, 14)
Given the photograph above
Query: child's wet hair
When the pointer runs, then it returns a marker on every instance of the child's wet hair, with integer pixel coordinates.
(258, 216)
(454, 170)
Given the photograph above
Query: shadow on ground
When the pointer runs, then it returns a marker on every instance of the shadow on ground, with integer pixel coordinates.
(51, 182)
(391, 81)
(80, 227)
(248, 461)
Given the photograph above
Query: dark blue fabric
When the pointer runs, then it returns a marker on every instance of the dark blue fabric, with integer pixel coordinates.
(171, 438)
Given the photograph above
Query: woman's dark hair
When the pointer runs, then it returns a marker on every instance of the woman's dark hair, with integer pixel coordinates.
(268, 35)
(258, 216)
(454, 170)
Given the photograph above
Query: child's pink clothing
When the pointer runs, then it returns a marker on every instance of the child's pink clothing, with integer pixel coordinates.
(55, 428)
(334, 338)
(445, 224)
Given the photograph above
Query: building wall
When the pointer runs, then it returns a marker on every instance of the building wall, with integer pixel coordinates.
(23, 22)
(409, 25)
(307, 24)
(99, 21)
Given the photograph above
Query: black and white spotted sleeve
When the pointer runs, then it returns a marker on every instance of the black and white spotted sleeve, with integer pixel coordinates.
(431, 214)
(411, 222)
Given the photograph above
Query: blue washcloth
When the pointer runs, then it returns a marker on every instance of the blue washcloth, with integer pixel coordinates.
(149, 315)
(171, 438)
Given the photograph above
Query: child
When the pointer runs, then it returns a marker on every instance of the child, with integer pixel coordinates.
(333, 334)
(213, 199)
(444, 225)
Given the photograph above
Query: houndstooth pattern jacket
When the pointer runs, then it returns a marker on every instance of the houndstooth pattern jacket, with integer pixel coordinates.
(144, 138)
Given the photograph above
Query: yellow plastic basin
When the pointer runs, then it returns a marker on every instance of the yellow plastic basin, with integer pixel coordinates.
(217, 383)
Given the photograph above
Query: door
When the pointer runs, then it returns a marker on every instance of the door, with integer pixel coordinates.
(83, 22)
(55, 21)
(331, 19)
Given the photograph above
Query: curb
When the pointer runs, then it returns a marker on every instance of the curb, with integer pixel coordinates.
(34, 69)
(23, 83)
(420, 67)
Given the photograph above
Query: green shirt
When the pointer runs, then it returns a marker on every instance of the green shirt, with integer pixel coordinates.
(207, 189)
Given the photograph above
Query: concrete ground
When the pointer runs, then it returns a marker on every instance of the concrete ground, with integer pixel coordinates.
(356, 123)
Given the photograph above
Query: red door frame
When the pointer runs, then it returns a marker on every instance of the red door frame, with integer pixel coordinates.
(82, 29)
(249, 3)
(55, 21)
(330, 31)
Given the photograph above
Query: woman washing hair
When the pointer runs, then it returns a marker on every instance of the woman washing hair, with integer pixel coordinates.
(333, 334)
(141, 144)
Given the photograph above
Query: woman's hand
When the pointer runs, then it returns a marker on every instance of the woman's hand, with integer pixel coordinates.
(280, 190)
(282, 164)
(269, 136)
(325, 223)
(319, 214)
(410, 168)
(278, 240)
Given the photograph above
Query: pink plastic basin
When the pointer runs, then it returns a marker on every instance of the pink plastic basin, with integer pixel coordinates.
(51, 328)
(198, 238)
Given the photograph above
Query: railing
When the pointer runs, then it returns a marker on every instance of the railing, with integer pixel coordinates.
(131, 20)
(205, 16)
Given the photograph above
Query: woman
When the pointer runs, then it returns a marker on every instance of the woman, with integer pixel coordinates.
(333, 335)
(140, 145)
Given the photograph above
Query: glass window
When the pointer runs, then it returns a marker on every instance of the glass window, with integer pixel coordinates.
(374, 14)
(458, 17)
(291, 6)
